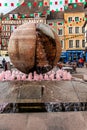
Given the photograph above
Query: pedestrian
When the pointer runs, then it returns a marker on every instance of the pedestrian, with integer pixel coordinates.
(86, 64)
(8, 66)
(74, 66)
(5, 68)
(3, 63)
(80, 62)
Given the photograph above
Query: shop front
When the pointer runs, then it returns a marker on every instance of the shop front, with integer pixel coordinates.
(74, 55)
(63, 57)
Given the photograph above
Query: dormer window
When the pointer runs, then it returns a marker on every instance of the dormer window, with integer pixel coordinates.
(36, 15)
(13, 16)
(10, 16)
(50, 24)
(60, 23)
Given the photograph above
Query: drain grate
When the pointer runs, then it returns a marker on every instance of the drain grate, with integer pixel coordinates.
(43, 107)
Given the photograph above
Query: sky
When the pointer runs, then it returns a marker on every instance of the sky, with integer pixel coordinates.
(5, 9)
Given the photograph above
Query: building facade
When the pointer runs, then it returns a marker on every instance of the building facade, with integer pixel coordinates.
(68, 25)
(74, 32)
(8, 26)
(18, 16)
(85, 33)
(56, 21)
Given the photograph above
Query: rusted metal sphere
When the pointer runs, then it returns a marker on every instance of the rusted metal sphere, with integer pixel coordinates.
(34, 47)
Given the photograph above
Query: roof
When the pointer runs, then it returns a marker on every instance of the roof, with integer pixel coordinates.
(85, 6)
(26, 10)
(55, 15)
(75, 7)
(71, 8)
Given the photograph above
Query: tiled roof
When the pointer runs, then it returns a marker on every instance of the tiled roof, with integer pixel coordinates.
(85, 6)
(75, 7)
(56, 15)
(26, 10)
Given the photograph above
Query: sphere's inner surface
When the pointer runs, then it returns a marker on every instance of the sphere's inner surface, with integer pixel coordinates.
(45, 52)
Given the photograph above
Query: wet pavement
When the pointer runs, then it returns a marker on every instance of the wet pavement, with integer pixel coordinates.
(54, 92)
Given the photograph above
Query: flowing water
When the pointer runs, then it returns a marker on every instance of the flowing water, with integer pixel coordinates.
(43, 107)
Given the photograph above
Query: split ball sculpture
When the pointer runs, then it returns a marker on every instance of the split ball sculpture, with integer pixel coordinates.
(34, 47)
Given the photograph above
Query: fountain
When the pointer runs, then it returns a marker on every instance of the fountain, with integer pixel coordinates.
(37, 88)
(34, 49)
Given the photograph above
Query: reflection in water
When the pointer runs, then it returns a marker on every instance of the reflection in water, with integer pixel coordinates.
(42, 107)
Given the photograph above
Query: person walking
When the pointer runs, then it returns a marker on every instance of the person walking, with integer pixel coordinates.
(5, 68)
(3, 63)
(81, 62)
(8, 66)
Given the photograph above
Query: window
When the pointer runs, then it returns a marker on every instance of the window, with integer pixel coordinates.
(36, 15)
(4, 42)
(83, 43)
(76, 29)
(60, 31)
(69, 19)
(50, 24)
(62, 43)
(70, 30)
(10, 16)
(13, 27)
(3, 27)
(70, 43)
(60, 23)
(76, 19)
(77, 43)
(83, 30)
(13, 16)
(7, 27)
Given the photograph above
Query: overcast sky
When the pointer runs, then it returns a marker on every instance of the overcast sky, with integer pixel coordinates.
(5, 9)
(8, 8)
